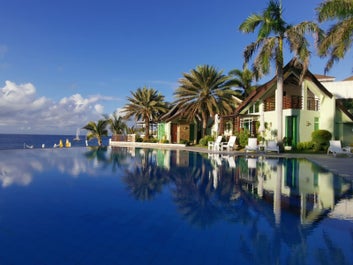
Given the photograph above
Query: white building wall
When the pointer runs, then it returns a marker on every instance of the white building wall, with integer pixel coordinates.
(340, 89)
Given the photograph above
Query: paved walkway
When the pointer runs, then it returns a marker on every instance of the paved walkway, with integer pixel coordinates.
(340, 165)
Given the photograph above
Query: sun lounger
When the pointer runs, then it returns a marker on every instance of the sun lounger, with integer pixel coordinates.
(252, 145)
(335, 148)
(230, 144)
(272, 147)
(215, 145)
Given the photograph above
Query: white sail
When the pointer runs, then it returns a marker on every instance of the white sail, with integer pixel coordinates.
(77, 138)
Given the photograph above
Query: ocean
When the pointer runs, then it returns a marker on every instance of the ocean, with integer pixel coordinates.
(23, 141)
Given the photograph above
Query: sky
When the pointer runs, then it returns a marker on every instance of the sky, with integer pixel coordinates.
(65, 63)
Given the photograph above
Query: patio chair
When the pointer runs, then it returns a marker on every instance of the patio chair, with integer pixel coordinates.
(230, 144)
(271, 147)
(252, 145)
(215, 145)
(335, 148)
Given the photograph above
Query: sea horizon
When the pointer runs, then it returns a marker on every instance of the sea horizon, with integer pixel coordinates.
(29, 141)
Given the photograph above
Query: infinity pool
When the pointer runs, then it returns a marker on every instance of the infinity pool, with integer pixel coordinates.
(144, 206)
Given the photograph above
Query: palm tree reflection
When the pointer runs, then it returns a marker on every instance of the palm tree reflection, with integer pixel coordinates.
(144, 178)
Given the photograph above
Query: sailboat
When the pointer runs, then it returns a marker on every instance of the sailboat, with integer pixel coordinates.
(77, 138)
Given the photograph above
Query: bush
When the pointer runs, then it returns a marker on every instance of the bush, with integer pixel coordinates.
(186, 142)
(204, 141)
(321, 139)
(243, 137)
(305, 146)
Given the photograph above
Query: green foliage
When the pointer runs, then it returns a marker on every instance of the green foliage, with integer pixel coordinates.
(145, 104)
(243, 137)
(203, 92)
(186, 142)
(96, 130)
(204, 141)
(164, 141)
(320, 139)
(150, 139)
(305, 146)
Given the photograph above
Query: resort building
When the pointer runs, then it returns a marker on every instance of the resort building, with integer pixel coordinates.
(307, 107)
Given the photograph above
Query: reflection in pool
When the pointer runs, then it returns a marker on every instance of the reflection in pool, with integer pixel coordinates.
(145, 206)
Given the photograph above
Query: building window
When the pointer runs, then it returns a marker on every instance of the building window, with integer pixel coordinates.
(316, 123)
(247, 123)
(254, 108)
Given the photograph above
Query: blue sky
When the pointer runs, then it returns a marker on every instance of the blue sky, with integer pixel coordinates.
(64, 63)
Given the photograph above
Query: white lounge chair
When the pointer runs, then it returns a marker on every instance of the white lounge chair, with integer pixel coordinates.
(215, 145)
(252, 145)
(230, 144)
(336, 148)
(272, 147)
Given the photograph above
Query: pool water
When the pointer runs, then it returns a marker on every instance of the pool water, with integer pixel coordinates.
(144, 206)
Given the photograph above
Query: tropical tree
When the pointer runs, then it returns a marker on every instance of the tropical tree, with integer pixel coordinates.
(339, 36)
(146, 104)
(116, 123)
(96, 130)
(272, 33)
(202, 93)
(242, 79)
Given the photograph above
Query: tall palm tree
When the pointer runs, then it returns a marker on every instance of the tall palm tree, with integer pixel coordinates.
(242, 79)
(272, 33)
(146, 104)
(202, 93)
(96, 130)
(339, 36)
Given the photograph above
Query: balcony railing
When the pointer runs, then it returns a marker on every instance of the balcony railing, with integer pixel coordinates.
(291, 102)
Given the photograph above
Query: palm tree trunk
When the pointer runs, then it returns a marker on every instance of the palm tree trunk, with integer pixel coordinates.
(204, 124)
(279, 92)
(147, 129)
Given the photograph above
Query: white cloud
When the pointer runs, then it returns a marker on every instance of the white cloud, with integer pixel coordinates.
(22, 111)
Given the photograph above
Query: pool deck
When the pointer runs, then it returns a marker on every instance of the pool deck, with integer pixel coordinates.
(341, 165)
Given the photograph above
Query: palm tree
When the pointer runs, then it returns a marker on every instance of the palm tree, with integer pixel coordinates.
(339, 36)
(203, 92)
(242, 79)
(146, 104)
(273, 32)
(96, 130)
(116, 123)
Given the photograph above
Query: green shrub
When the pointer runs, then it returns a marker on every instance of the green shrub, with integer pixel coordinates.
(305, 146)
(320, 139)
(186, 142)
(204, 141)
(243, 137)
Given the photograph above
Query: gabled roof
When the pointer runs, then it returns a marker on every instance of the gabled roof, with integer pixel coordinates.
(291, 73)
(340, 106)
(349, 78)
(324, 78)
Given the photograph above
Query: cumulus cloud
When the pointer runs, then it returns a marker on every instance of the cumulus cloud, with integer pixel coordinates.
(23, 111)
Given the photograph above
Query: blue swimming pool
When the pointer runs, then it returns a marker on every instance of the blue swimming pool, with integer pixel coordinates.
(144, 206)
